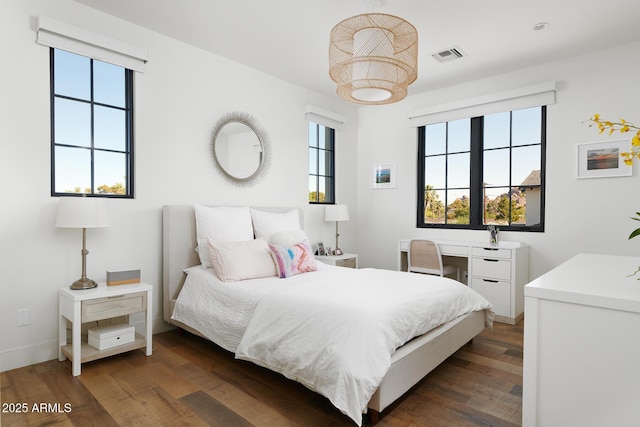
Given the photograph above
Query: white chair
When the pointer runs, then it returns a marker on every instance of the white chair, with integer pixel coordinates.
(424, 257)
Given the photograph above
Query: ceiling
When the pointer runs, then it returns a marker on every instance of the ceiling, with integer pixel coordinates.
(290, 38)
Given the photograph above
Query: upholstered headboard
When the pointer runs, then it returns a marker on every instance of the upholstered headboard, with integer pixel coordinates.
(178, 249)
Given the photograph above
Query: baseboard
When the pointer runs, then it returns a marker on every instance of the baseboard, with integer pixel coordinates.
(30, 355)
(43, 352)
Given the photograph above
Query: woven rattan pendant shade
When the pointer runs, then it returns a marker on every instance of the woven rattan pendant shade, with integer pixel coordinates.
(373, 58)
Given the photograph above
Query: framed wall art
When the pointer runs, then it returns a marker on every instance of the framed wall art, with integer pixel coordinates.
(602, 159)
(383, 175)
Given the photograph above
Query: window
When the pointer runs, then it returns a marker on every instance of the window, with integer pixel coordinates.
(483, 171)
(91, 126)
(321, 164)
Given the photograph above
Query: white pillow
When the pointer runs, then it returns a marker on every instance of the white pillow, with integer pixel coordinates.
(266, 224)
(288, 238)
(233, 261)
(221, 224)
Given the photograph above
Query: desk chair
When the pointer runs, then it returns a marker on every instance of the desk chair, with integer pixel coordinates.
(424, 257)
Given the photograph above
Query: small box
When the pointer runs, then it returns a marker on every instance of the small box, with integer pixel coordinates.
(127, 277)
(106, 337)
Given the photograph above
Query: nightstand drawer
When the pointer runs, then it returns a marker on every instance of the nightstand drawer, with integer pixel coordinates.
(121, 305)
(349, 263)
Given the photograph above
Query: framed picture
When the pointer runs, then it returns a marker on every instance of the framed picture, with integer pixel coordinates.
(602, 159)
(383, 175)
(321, 248)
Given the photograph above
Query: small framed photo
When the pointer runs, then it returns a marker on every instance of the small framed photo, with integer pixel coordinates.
(383, 175)
(602, 159)
(321, 248)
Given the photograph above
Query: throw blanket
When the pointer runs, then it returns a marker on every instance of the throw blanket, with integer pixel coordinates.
(336, 333)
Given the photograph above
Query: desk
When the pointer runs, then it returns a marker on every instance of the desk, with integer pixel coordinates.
(498, 273)
(581, 345)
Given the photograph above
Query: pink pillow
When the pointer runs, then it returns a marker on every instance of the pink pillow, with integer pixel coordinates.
(292, 260)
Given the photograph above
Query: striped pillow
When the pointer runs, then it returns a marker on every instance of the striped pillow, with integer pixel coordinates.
(292, 260)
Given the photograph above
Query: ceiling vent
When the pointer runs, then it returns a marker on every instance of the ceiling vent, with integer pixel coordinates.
(448, 55)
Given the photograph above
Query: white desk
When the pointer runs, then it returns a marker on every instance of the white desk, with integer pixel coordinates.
(581, 347)
(497, 273)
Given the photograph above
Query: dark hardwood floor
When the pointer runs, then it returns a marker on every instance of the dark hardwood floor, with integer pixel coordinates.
(190, 381)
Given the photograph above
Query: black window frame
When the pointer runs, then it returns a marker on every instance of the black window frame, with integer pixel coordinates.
(476, 208)
(129, 143)
(330, 195)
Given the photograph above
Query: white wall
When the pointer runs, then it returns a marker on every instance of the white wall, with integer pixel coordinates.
(590, 215)
(178, 99)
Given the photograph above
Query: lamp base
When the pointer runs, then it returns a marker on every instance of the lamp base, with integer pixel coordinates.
(83, 283)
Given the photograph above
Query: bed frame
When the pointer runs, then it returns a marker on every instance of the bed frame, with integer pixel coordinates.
(409, 364)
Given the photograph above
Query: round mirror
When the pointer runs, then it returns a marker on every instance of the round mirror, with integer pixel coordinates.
(240, 148)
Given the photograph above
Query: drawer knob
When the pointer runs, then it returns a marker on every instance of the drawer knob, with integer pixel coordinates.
(490, 260)
(490, 281)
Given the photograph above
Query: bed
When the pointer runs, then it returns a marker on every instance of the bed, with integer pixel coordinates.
(409, 363)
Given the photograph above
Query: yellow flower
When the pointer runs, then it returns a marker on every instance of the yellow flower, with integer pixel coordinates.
(623, 127)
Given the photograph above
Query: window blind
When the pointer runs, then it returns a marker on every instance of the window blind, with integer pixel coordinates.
(515, 99)
(324, 117)
(60, 35)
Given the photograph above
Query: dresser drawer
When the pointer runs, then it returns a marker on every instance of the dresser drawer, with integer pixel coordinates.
(121, 305)
(349, 262)
(489, 252)
(497, 292)
(491, 268)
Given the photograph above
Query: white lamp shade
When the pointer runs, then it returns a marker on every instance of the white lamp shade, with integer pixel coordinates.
(336, 213)
(82, 212)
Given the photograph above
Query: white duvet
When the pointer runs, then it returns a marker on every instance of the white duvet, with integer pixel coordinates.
(335, 330)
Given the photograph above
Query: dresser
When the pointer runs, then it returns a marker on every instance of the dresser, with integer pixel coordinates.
(582, 345)
(498, 273)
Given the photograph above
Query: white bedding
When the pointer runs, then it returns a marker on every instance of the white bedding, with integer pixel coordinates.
(333, 330)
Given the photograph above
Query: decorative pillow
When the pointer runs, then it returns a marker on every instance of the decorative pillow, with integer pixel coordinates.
(267, 223)
(233, 261)
(221, 224)
(292, 260)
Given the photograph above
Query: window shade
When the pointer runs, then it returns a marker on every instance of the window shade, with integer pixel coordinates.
(324, 117)
(60, 35)
(515, 99)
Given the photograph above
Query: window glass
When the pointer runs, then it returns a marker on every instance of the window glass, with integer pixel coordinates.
(109, 84)
(321, 164)
(91, 131)
(484, 171)
(459, 136)
(496, 130)
(72, 76)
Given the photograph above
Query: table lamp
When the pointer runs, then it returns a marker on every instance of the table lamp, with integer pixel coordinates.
(82, 212)
(336, 213)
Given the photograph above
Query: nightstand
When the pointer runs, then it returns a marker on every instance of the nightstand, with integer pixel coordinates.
(92, 305)
(344, 260)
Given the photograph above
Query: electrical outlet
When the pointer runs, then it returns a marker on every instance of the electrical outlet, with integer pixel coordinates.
(24, 317)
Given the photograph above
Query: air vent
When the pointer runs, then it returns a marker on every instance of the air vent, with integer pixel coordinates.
(448, 55)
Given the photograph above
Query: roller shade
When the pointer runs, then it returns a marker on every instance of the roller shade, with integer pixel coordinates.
(60, 35)
(515, 99)
(324, 117)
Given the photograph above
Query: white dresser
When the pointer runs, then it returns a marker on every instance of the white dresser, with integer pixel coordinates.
(497, 273)
(582, 344)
